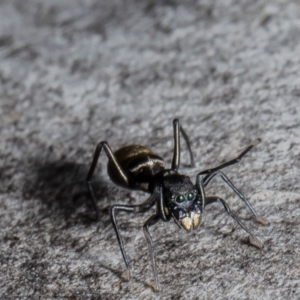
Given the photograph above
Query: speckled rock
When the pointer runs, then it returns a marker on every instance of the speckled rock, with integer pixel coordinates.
(73, 73)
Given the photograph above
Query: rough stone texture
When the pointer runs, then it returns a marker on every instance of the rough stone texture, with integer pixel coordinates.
(73, 73)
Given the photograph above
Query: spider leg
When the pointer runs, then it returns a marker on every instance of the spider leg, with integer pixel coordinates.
(112, 160)
(208, 178)
(161, 207)
(200, 186)
(151, 221)
(129, 208)
(253, 239)
(176, 154)
(232, 161)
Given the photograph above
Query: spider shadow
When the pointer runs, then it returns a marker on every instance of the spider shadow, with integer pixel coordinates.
(61, 185)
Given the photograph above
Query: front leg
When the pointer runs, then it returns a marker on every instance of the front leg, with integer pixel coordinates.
(232, 161)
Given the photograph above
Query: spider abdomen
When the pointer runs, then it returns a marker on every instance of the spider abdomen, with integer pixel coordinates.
(139, 163)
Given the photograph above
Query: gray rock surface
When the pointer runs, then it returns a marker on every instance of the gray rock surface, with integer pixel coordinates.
(73, 73)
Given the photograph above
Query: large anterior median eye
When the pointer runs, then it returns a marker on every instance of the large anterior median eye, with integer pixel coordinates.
(180, 198)
(190, 196)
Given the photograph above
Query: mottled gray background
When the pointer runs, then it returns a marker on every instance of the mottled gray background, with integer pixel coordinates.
(73, 73)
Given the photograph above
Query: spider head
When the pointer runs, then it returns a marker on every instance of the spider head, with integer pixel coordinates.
(183, 201)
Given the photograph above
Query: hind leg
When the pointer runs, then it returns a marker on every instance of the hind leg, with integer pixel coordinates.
(113, 162)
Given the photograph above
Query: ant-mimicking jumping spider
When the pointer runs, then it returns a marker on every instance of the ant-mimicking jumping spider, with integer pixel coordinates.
(136, 167)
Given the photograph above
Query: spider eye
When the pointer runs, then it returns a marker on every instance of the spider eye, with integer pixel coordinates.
(180, 198)
(190, 196)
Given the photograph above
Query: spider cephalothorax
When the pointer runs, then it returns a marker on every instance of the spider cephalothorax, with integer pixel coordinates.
(183, 201)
